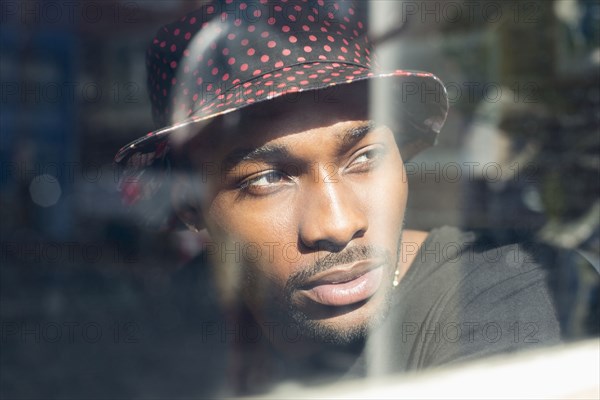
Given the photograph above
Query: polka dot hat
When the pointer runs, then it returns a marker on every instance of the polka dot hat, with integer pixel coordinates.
(228, 55)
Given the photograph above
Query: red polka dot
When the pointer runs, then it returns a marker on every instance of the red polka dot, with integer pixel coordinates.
(327, 48)
(279, 64)
(244, 42)
(291, 78)
(173, 64)
(292, 17)
(293, 39)
(260, 92)
(269, 83)
(163, 43)
(285, 29)
(244, 67)
(186, 52)
(271, 21)
(301, 59)
(304, 82)
(286, 52)
(199, 81)
(344, 50)
(192, 20)
(265, 34)
(225, 77)
(251, 51)
(243, 6)
(257, 72)
(264, 58)
(307, 49)
(188, 36)
(306, 28)
(176, 32)
(195, 98)
(215, 71)
(231, 36)
(271, 44)
(251, 28)
(225, 51)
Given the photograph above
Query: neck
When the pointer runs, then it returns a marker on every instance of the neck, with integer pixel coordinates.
(411, 244)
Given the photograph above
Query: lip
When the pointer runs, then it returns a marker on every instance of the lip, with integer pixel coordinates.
(345, 285)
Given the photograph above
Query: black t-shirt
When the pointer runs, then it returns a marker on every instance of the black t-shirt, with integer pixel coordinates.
(462, 300)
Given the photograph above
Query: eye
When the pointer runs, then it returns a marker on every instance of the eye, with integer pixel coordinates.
(367, 159)
(264, 183)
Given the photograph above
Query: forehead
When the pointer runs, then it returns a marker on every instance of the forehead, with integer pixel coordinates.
(281, 119)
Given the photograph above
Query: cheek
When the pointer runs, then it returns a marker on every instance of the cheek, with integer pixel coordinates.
(386, 202)
(263, 234)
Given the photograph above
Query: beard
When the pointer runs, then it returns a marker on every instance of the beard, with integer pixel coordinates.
(320, 331)
(279, 308)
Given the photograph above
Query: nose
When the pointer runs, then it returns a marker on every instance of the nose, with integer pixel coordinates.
(331, 216)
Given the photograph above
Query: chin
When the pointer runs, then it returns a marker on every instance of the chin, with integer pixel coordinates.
(343, 325)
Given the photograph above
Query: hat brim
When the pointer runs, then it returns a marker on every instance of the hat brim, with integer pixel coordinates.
(420, 97)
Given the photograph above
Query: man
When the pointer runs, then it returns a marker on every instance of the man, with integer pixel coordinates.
(268, 142)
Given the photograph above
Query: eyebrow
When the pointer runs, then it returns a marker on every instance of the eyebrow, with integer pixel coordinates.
(356, 134)
(273, 152)
(268, 152)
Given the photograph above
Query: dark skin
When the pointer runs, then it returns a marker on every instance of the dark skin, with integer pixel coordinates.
(291, 189)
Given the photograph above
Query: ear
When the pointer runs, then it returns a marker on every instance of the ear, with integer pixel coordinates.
(186, 203)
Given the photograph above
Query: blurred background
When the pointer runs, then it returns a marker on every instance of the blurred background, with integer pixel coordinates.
(92, 302)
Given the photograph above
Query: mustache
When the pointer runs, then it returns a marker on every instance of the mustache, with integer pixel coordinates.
(331, 260)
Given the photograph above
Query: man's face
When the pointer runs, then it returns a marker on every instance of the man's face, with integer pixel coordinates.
(313, 201)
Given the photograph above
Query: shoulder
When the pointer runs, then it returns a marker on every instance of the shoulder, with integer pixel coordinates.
(467, 298)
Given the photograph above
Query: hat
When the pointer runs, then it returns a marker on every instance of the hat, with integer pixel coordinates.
(229, 55)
